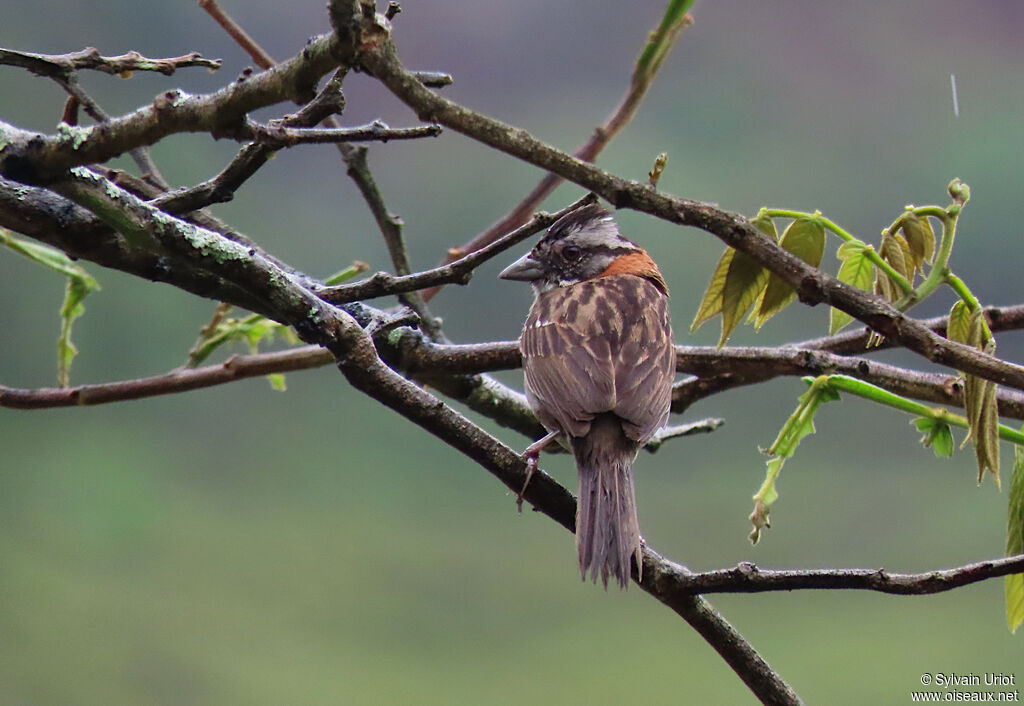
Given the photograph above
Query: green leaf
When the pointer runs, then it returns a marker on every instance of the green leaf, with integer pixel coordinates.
(805, 238)
(1015, 541)
(858, 271)
(253, 329)
(277, 382)
(763, 499)
(937, 436)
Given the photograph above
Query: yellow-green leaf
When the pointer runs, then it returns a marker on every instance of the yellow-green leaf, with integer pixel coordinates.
(764, 223)
(711, 304)
(1015, 541)
(857, 270)
(805, 238)
(986, 440)
(980, 403)
(920, 237)
(744, 282)
(895, 251)
(959, 327)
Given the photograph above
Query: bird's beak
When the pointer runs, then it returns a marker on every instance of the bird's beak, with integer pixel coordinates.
(525, 269)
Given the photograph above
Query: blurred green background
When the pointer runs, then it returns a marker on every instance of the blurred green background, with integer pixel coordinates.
(240, 545)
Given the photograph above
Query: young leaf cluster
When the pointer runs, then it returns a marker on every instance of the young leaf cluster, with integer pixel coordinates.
(741, 284)
(79, 284)
(908, 249)
(799, 425)
(935, 424)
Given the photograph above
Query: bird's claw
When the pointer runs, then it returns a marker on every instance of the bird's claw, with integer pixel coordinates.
(531, 466)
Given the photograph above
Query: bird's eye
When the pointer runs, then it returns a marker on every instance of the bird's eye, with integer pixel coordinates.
(571, 253)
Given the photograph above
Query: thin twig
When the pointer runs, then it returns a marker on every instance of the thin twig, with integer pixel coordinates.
(357, 167)
(458, 272)
(390, 227)
(239, 367)
(241, 37)
(252, 157)
(279, 136)
(702, 426)
(53, 65)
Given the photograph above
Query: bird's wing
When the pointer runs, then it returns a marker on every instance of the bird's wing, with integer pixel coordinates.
(645, 366)
(600, 346)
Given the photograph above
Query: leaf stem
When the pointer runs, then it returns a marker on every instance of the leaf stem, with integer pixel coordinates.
(868, 391)
(869, 252)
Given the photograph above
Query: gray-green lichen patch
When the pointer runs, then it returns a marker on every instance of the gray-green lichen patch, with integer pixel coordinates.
(206, 242)
(74, 134)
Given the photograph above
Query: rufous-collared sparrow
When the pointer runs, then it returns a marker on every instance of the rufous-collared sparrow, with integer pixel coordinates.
(599, 362)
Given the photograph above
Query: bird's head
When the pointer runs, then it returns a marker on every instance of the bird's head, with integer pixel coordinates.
(582, 245)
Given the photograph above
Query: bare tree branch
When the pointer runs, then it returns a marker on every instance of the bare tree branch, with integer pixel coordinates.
(277, 137)
(812, 285)
(714, 371)
(31, 157)
(237, 367)
(748, 578)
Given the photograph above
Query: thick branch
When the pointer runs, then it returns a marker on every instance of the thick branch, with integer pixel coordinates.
(452, 369)
(53, 219)
(717, 371)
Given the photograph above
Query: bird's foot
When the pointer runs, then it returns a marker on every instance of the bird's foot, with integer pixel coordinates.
(531, 455)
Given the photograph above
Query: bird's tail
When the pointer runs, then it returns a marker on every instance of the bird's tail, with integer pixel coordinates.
(607, 530)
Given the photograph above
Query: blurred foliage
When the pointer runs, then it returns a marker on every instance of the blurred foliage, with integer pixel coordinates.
(235, 545)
